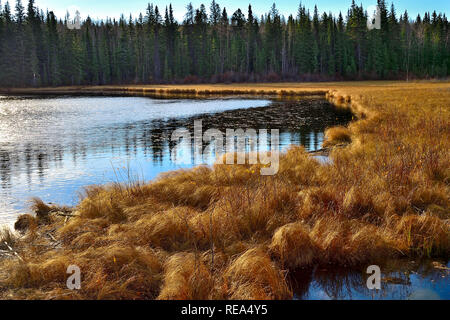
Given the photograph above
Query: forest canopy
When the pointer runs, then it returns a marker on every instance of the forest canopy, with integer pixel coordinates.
(214, 45)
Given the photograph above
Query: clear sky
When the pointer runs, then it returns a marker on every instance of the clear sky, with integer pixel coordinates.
(100, 9)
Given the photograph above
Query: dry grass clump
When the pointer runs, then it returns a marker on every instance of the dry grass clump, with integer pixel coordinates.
(113, 272)
(253, 276)
(103, 203)
(52, 272)
(78, 227)
(318, 201)
(246, 213)
(25, 222)
(131, 273)
(40, 208)
(169, 230)
(425, 235)
(337, 135)
(193, 188)
(187, 278)
(349, 242)
(42, 211)
(292, 245)
(299, 168)
(226, 232)
(438, 211)
(7, 239)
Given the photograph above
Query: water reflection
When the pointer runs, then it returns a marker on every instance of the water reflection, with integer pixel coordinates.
(52, 147)
(401, 279)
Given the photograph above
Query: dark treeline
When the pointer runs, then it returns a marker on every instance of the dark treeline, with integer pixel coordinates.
(212, 45)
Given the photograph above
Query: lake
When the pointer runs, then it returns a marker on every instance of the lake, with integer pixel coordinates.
(52, 147)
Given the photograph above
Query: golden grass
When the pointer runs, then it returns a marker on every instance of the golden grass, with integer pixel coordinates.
(293, 246)
(228, 233)
(186, 278)
(25, 222)
(7, 239)
(337, 135)
(253, 276)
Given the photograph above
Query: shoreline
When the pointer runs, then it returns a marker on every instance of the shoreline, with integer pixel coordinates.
(247, 89)
(384, 196)
(169, 90)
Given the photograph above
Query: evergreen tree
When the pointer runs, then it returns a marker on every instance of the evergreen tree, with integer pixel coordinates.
(37, 49)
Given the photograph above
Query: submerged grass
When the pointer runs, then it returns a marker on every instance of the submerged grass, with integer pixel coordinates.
(228, 233)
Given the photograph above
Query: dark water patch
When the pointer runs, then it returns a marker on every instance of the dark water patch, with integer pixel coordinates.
(400, 280)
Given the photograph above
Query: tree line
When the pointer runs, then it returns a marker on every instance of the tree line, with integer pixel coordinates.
(212, 45)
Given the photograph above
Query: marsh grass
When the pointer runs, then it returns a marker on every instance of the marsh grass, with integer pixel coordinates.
(337, 135)
(7, 239)
(226, 232)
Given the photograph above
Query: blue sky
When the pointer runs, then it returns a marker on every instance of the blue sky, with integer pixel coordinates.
(99, 9)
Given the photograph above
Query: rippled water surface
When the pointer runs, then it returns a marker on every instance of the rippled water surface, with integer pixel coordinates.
(51, 147)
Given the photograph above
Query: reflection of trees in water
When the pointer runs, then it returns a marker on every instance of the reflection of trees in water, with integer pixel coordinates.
(344, 283)
(302, 122)
(337, 283)
(350, 284)
(300, 282)
(5, 172)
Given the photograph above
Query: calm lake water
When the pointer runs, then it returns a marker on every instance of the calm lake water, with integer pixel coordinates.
(52, 147)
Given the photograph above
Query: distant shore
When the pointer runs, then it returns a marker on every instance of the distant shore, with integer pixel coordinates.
(273, 89)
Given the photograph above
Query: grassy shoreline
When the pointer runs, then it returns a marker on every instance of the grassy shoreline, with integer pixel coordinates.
(228, 233)
(251, 89)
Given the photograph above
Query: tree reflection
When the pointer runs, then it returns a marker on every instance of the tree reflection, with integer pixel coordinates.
(400, 279)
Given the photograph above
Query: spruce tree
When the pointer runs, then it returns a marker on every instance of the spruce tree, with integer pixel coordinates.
(37, 49)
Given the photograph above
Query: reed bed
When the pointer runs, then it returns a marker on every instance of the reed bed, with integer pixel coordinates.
(228, 233)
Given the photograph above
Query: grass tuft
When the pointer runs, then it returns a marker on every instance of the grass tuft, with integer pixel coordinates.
(253, 276)
(337, 135)
(186, 278)
(292, 245)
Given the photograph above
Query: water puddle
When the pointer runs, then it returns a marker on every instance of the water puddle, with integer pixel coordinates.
(400, 280)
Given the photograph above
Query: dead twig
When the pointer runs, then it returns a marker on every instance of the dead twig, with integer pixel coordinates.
(12, 250)
(67, 215)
